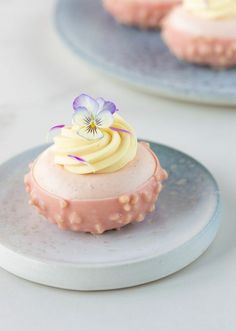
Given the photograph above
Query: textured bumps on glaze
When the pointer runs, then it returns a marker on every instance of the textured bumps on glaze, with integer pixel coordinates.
(217, 53)
(144, 14)
(97, 215)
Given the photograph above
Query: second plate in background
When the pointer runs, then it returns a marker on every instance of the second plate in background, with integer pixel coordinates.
(139, 57)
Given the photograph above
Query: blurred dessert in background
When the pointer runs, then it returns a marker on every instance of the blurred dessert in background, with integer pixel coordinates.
(140, 13)
(203, 32)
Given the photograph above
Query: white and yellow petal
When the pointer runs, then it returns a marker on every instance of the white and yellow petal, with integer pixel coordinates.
(104, 119)
(90, 133)
(82, 117)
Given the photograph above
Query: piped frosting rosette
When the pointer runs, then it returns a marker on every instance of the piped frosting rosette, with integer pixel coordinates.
(212, 9)
(98, 141)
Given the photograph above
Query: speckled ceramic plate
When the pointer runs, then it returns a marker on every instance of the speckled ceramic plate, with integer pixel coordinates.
(138, 57)
(180, 230)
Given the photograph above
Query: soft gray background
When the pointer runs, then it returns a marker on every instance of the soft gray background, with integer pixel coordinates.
(39, 78)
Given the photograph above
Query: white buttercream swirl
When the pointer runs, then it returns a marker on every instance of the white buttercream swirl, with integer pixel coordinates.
(108, 154)
(212, 9)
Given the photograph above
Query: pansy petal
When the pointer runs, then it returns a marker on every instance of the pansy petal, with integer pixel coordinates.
(104, 119)
(79, 109)
(90, 134)
(81, 117)
(101, 103)
(110, 106)
(106, 105)
(86, 101)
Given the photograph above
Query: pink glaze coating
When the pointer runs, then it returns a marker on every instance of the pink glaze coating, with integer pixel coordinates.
(97, 215)
(69, 186)
(200, 41)
(142, 13)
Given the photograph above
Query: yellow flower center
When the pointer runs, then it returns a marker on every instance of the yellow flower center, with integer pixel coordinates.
(93, 125)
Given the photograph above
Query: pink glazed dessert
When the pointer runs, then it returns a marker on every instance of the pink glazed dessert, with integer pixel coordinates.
(96, 176)
(141, 13)
(203, 32)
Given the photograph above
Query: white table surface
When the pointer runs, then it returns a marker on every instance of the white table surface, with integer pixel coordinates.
(39, 77)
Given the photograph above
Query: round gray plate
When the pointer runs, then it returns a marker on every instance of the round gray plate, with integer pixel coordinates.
(180, 230)
(138, 57)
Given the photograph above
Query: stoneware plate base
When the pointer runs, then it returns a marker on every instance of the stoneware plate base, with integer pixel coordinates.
(179, 231)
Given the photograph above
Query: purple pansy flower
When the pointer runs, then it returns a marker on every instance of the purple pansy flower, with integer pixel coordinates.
(92, 115)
